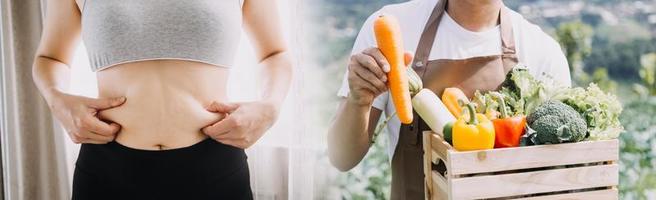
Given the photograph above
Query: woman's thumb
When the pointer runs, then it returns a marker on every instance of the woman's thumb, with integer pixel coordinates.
(107, 103)
(221, 107)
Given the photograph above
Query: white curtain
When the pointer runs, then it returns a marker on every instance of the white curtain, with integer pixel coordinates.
(283, 163)
(33, 163)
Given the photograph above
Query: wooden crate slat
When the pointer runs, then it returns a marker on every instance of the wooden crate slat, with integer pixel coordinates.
(435, 158)
(608, 194)
(440, 186)
(469, 174)
(505, 185)
(439, 145)
(504, 159)
(428, 160)
(439, 193)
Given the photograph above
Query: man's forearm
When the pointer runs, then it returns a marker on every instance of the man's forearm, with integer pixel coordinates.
(348, 136)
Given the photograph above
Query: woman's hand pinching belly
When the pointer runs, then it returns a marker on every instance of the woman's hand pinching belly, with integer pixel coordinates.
(79, 116)
(244, 123)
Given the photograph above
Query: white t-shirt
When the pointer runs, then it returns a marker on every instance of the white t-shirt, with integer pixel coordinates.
(535, 49)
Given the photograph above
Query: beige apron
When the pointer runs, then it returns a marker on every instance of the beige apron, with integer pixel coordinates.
(477, 73)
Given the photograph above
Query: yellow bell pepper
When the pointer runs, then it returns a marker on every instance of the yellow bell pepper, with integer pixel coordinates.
(477, 133)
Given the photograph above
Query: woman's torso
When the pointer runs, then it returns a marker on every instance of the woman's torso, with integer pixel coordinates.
(169, 59)
(166, 100)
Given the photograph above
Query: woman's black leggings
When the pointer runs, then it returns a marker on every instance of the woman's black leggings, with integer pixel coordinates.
(206, 170)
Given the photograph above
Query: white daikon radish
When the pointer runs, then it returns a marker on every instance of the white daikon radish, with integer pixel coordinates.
(431, 109)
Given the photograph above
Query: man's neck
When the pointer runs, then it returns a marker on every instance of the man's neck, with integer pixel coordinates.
(475, 15)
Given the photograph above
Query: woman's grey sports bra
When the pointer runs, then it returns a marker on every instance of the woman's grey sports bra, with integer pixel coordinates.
(122, 31)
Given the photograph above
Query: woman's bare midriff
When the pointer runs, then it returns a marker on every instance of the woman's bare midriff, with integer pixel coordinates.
(166, 100)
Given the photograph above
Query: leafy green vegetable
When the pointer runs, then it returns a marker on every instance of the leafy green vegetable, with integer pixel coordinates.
(524, 92)
(484, 102)
(600, 110)
(554, 122)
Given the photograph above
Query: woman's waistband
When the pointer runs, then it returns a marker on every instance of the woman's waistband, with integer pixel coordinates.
(205, 151)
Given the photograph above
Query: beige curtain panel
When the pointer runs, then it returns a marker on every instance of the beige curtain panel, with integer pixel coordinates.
(35, 158)
(33, 166)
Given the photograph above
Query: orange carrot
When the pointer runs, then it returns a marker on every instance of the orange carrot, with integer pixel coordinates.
(388, 37)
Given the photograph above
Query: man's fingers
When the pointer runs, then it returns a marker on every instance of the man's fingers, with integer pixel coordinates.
(222, 107)
(107, 103)
(94, 124)
(407, 57)
(377, 55)
(222, 127)
(370, 78)
(369, 63)
(360, 83)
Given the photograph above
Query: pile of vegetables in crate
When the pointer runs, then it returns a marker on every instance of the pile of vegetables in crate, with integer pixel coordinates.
(523, 112)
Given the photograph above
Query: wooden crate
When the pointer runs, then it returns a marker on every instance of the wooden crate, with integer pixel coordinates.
(583, 170)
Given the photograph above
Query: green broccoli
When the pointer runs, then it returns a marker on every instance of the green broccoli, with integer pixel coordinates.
(554, 122)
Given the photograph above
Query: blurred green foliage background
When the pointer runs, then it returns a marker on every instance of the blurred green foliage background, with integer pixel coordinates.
(609, 42)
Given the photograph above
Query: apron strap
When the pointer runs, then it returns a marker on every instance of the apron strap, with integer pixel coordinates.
(430, 32)
(507, 35)
(428, 37)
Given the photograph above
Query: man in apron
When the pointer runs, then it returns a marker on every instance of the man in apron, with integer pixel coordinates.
(469, 44)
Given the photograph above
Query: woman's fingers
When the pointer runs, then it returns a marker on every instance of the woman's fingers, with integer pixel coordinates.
(232, 138)
(222, 107)
(222, 127)
(80, 117)
(94, 137)
(94, 124)
(232, 135)
(90, 137)
(91, 141)
(92, 130)
(107, 103)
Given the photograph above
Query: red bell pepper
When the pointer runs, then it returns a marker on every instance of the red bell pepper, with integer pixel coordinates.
(508, 130)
